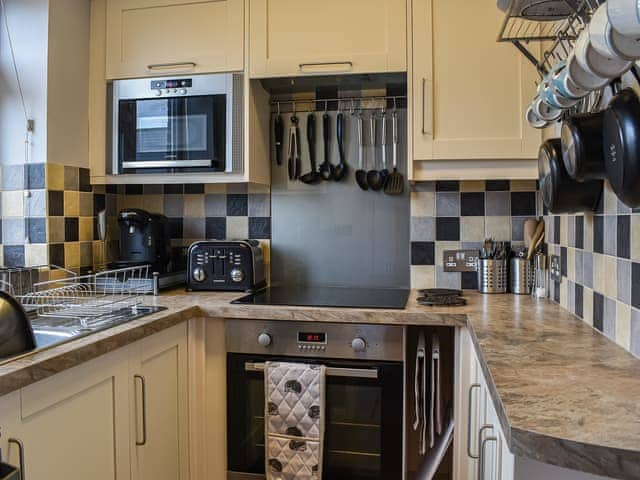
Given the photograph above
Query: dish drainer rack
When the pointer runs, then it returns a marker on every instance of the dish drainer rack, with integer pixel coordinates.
(89, 298)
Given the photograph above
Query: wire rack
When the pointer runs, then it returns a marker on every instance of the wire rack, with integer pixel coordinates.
(89, 298)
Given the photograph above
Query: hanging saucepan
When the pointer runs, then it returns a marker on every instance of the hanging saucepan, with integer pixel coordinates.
(560, 192)
(582, 152)
(622, 146)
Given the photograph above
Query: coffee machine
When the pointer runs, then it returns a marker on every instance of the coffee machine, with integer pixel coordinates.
(144, 239)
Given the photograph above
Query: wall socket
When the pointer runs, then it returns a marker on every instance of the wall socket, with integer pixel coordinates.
(554, 268)
(460, 260)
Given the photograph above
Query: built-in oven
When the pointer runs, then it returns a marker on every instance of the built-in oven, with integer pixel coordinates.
(177, 124)
(363, 437)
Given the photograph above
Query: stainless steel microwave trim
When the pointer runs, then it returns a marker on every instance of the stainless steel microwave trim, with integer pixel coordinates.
(331, 371)
(167, 164)
(229, 84)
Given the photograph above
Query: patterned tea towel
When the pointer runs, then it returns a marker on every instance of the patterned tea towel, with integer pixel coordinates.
(294, 420)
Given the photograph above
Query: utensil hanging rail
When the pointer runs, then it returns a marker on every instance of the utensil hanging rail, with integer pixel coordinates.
(352, 103)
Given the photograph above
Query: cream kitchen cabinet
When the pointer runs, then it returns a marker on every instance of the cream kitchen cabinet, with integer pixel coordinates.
(308, 37)
(165, 37)
(468, 95)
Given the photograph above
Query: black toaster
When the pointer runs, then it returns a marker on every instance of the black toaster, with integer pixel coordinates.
(236, 265)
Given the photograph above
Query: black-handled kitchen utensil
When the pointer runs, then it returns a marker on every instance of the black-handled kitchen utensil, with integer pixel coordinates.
(342, 168)
(395, 180)
(326, 168)
(374, 179)
(361, 173)
(294, 149)
(313, 176)
(384, 173)
(278, 130)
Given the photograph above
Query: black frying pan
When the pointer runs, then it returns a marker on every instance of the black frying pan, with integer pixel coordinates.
(16, 335)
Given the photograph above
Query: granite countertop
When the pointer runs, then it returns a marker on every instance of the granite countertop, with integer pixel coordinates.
(565, 394)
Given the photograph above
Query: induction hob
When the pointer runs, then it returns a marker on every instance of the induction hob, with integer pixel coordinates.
(345, 297)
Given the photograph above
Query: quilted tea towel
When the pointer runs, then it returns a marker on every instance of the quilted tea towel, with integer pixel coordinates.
(294, 420)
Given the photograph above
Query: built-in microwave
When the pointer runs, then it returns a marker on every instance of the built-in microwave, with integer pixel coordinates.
(177, 124)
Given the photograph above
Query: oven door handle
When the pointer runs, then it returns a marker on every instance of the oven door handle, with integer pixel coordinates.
(331, 371)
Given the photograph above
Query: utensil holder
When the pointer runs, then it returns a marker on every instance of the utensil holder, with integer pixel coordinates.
(492, 275)
(521, 276)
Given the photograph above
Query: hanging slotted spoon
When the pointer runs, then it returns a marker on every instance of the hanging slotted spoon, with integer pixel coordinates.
(395, 180)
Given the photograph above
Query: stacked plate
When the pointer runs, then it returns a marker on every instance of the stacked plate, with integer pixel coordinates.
(604, 50)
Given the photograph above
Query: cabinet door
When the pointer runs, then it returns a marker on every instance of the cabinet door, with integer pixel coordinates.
(164, 37)
(10, 428)
(159, 406)
(75, 425)
(306, 37)
(470, 92)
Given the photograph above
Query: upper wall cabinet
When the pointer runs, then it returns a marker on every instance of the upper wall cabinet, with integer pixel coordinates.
(469, 93)
(307, 37)
(165, 37)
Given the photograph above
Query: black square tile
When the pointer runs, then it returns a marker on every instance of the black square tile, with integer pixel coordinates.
(598, 311)
(423, 253)
(216, 228)
(84, 180)
(111, 189)
(635, 284)
(448, 228)
(598, 234)
(624, 236)
(447, 186)
(175, 228)
(472, 204)
(14, 255)
(173, 189)
(36, 175)
(523, 204)
(99, 203)
(133, 189)
(237, 204)
(556, 230)
(556, 292)
(37, 229)
(469, 281)
(56, 254)
(71, 229)
(579, 299)
(579, 231)
(194, 188)
(563, 261)
(260, 227)
(55, 205)
(497, 185)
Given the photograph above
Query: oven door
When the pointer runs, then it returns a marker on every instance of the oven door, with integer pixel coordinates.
(363, 425)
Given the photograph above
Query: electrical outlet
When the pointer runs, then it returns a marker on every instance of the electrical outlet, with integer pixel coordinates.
(460, 260)
(554, 268)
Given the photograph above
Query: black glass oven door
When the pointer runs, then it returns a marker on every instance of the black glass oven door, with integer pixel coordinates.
(363, 428)
(174, 132)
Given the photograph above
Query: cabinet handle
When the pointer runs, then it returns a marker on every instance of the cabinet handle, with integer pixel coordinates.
(21, 455)
(348, 66)
(469, 453)
(143, 384)
(424, 108)
(481, 452)
(171, 66)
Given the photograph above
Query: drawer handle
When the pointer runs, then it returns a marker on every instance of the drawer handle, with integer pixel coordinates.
(172, 66)
(481, 461)
(20, 446)
(347, 66)
(425, 131)
(143, 384)
(471, 389)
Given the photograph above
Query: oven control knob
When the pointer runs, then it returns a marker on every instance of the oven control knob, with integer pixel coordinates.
(358, 344)
(157, 92)
(199, 274)
(264, 339)
(183, 91)
(237, 275)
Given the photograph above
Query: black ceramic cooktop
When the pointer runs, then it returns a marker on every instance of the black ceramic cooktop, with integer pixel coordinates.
(328, 297)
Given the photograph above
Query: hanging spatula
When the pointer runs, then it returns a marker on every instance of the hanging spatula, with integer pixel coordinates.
(395, 180)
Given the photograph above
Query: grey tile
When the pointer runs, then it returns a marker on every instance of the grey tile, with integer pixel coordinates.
(587, 269)
(111, 202)
(36, 204)
(13, 231)
(448, 204)
(423, 229)
(610, 234)
(153, 189)
(571, 226)
(237, 188)
(579, 266)
(497, 203)
(215, 205)
(71, 178)
(424, 187)
(471, 245)
(624, 281)
(259, 205)
(609, 325)
(635, 332)
(517, 228)
(36, 175)
(174, 206)
(571, 296)
(447, 279)
(194, 228)
(12, 177)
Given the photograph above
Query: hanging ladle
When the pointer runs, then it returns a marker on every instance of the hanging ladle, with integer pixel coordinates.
(341, 168)
(326, 167)
(374, 178)
(313, 176)
(361, 173)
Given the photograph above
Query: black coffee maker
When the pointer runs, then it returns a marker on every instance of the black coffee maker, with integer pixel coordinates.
(144, 239)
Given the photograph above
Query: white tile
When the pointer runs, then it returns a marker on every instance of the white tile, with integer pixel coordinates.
(237, 227)
(423, 204)
(423, 276)
(587, 306)
(623, 325)
(13, 203)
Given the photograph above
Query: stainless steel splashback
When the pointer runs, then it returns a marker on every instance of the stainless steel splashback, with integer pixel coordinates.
(333, 233)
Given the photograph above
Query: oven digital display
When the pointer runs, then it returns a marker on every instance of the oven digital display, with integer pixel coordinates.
(310, 337)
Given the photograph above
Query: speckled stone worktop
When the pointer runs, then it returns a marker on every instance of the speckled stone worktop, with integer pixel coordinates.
(564, 393)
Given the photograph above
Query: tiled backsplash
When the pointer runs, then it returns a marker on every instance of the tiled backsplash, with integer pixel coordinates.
(449, 215)
(600, 263)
